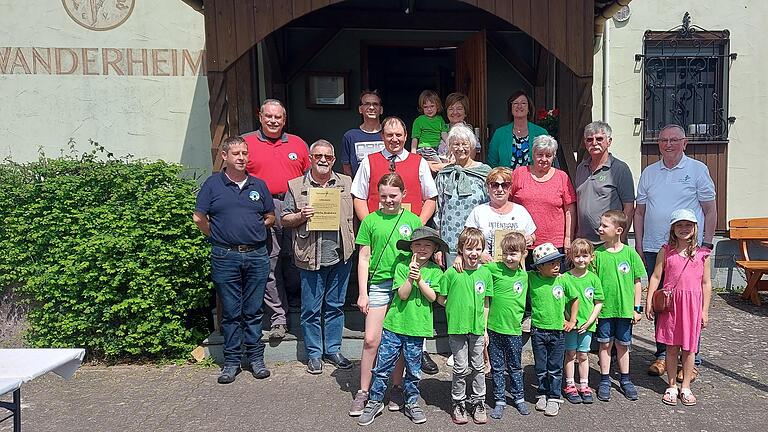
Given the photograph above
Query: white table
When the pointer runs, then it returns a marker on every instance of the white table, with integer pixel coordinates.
(18, 366)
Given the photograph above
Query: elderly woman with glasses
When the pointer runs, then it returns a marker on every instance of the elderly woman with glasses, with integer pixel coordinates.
(548, 194)
(500, 215)
(460, 186)
(510, 144)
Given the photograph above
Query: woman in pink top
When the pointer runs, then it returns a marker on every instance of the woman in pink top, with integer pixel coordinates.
(548, 195)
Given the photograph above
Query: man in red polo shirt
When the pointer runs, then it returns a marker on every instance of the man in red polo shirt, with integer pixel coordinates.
(277, 157)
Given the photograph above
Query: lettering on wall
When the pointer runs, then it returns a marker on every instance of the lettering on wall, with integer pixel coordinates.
(99, 15)
(101, 61)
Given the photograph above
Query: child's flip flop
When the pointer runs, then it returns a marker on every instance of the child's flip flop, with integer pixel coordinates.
(670, 396)
(687, 398)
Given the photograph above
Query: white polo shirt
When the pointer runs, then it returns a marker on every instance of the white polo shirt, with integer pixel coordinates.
(363, 177)
(664, 190)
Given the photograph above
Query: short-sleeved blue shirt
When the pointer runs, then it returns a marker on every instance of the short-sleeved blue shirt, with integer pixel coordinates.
(236, 215)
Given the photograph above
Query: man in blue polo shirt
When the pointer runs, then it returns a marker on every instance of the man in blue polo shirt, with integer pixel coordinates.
(234, 210)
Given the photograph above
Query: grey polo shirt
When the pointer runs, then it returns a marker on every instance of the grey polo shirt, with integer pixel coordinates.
(607, 188)
(329, 249)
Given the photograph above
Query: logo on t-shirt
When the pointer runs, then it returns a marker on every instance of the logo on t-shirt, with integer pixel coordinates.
(557, 291)
(405, 231)
(254, 196)
(518, 287)
(292, 156)
(624, 267)
(589, 292)
(480, 287)
(602, 177)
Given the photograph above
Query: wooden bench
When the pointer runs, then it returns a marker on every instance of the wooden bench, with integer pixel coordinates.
(746, 230)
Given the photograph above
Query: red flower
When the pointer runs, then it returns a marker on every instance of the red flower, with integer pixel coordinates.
(556, 112)
(541, 114)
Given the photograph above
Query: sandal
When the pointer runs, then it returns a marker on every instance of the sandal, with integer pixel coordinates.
(670, 396)
(687, 398)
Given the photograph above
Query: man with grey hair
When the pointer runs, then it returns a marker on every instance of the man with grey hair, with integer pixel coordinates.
(277, 157)
(674, 182)
(602, 183)
(323, 258)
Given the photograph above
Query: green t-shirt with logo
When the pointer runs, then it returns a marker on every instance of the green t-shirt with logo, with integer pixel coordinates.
(374, 231)
(428, 130)
(412, 317)
(589, 289)
(549, 297)
(510, 287)
(617, 272)
(465, 295)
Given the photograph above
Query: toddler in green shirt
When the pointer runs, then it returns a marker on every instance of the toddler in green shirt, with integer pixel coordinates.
(578, 341)
(465, 297)
(428, 128)
(549, 298)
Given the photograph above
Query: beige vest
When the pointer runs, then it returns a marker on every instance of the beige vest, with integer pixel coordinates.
(305, 243)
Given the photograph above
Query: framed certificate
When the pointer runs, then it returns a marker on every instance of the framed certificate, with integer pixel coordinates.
(327, 205)
(327, 90)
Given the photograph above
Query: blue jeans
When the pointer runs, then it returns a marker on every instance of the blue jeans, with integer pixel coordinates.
(548, 351)
(389, 351)
(661, 349)
(323, 293)
(240, 278)
(505, 351)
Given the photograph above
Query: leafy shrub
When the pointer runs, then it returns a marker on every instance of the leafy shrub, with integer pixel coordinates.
(106, 251)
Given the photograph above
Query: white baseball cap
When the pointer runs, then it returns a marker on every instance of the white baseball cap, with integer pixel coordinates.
(683, 214)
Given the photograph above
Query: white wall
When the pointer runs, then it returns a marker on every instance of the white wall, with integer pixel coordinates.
(157, 109)
(748, 88)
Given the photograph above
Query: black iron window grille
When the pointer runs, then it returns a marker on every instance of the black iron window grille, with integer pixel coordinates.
(685, 82)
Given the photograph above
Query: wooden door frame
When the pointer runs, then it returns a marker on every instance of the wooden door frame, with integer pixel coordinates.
(366, 44)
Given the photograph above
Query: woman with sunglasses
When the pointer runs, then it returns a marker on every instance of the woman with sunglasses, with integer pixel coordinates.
(500, 214)
(548, 194)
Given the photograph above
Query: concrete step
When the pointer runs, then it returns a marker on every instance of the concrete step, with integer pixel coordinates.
(291, 347)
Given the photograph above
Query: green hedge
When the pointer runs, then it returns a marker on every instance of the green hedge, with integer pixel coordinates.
(107, 253)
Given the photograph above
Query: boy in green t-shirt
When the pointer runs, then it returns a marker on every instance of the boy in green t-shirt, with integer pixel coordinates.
(590, 291)
(505, 316)
(408, 321)
(428, 128)
(619, 268)
(549, 298)
(465, 297)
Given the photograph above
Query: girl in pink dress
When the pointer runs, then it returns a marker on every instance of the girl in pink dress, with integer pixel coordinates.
(686, 274)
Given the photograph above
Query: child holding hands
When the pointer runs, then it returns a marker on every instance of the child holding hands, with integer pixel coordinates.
(686, 271)
(577, 341)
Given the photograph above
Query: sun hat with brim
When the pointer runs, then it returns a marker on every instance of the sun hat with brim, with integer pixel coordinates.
(682, 215)
(423, 233)
(545, 253)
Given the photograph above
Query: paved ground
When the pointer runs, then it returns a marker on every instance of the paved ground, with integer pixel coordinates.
(732, 391)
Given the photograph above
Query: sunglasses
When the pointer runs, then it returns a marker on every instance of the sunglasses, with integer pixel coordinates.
(503, 185)
(319, 157)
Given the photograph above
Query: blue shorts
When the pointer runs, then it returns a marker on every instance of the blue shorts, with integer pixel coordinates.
(619, 329)
(578, 342)
(380, 295)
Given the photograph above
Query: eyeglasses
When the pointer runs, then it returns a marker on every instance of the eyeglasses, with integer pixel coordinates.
(461, 144)
(670, 140)
(370, 104)
(519, 104)
(495, 185)
(319, 157)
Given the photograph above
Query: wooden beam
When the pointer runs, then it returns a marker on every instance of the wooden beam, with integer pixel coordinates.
(421, 20)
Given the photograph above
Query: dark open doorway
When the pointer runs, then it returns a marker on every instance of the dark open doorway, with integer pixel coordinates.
(400, 73)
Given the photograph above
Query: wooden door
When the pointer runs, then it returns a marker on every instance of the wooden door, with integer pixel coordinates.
(471, 80)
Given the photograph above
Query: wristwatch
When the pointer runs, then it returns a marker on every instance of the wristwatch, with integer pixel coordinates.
(709, 246)
(639, 309)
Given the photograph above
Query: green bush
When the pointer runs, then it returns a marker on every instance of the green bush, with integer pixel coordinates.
(106, 251)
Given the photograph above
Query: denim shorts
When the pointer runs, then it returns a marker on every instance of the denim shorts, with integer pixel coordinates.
(620, 329)
(578, 342)
(380, 295)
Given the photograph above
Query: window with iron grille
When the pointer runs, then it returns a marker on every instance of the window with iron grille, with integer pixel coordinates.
(685, 82)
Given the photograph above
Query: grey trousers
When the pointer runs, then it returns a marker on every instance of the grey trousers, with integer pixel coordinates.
(468, 362)
(275, 300)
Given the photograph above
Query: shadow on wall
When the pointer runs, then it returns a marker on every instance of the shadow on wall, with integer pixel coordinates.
(196, 152)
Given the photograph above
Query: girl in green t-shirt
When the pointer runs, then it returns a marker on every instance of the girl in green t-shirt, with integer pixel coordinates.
(377, 237)
(577, 341)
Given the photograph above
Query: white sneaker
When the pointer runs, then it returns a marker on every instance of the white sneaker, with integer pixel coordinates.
(541, 403)
(449, 362)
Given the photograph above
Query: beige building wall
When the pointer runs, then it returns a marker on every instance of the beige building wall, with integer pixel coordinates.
(747, 90)
(136, 88)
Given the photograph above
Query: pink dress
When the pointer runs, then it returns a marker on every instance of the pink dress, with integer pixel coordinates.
(682, 324)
